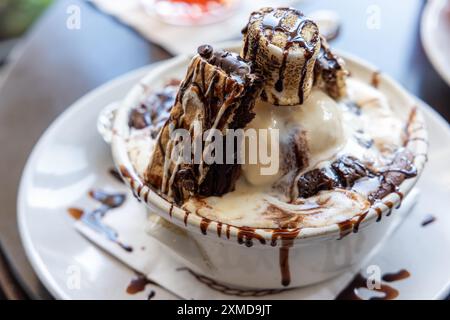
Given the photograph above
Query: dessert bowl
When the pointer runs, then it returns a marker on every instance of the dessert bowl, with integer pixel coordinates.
(268, 258)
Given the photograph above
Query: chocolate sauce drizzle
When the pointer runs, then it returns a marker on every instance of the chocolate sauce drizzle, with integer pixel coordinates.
(93, 219)
(219, 229)
(359, 282)
(429, 219)
(396, 276)
(151, 295)
(116, 175)
(204, 224)
(227, 89)
(154, 110)
(246, 235)
(214, 285)
(274, 21)
(138, 284)
(76, 213)
(352, 225)
(375, 81)
(287, 237)
(294, 36)
(228, 231)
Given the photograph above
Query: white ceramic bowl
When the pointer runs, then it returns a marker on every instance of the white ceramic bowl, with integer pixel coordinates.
(219, 251)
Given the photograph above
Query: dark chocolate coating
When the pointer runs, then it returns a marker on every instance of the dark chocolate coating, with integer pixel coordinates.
(344, 172)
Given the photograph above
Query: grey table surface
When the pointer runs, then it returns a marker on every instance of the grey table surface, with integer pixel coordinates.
(54, 66)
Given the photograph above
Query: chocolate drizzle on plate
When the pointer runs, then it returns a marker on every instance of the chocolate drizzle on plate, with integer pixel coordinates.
(138, 284)
(352, 291)
(294, 34)
(375, 81)
(287, 237)
(429, 219)
(116, 175)
(396, 276)
(154, 109)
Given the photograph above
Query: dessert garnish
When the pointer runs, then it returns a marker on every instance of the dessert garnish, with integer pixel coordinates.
(218, 92)
(284, 45)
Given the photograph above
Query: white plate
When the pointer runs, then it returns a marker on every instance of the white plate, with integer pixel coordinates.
(435, 33)
(71, 158)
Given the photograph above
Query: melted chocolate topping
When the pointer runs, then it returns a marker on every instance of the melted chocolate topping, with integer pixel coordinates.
(229, 62)
(351, 292)
(154, 110)
(428, 220)
(345, 171)
(116, 175)
(396, 276)
(93, 218)
(222, 288)
(274, 20)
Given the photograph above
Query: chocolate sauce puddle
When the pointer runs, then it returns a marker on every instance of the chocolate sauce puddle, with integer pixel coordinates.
(360, 282)
(348, 226)
(116, 175)
(93, 219)
(287, 237)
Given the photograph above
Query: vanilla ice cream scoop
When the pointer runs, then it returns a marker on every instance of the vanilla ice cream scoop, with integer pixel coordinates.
(297, 136)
